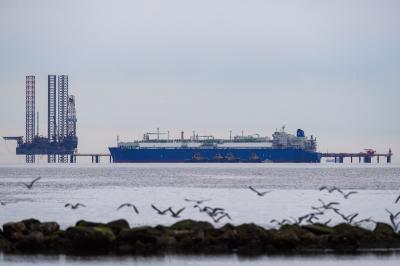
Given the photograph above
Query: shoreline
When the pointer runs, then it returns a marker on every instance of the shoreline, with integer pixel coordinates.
(189, 237)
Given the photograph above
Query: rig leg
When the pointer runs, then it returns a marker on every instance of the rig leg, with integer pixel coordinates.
(367, 159)
(351, 159)
(377, 159)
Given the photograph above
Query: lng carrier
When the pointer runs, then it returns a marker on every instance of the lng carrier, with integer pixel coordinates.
(282, 147)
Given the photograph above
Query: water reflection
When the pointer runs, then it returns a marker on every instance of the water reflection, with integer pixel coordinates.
(364, 260)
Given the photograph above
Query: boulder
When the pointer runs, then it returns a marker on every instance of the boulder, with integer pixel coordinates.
(347, 237)
(5, 245)
(191, 225)
(48, 228)
(85, 223)
(14, 231)
(118, 225)
(31, 224)
(318, 229)
(94, 239)
(140, 240)
(250, 239)
(31, 243)
(383, 230)
(284, 239)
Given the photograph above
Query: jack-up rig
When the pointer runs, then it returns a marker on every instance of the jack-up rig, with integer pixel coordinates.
(61, 141)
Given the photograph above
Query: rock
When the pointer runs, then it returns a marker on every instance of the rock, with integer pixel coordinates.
(191, 225)
(286, 238)
(383, 230)
(383, 236)
(318, 229)
(137, 241)
(87, 239)
(250, 239)
(57, 244)
(118, 225)
(48, 228)
(147, 236)
(88, 223)
(31, 243)
(31, 224)
(5, 245)
(14, 231)
(347, 238)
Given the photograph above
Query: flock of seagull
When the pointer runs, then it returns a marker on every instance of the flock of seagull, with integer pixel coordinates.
(314, 216)
(218, 213)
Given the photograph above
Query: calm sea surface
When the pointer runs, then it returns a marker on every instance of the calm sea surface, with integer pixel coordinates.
(102, 188)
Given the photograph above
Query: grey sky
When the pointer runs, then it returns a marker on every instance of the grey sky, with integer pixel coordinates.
(329, 67)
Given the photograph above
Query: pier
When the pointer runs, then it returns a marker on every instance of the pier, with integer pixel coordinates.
(365, 157)
(95, 157)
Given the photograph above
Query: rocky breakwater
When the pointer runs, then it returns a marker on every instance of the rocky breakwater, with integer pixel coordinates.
(190, 237)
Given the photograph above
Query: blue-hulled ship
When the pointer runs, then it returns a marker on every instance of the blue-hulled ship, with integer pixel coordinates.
(281, 148)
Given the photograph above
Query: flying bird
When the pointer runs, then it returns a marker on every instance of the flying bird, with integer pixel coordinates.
(74, 206)
(346, 195)
(329, 189)
(393, 218)
(258, 192)
(216, 220)
(326, 206)
(349, 218)
(129, 205)
(159, 211)
(367, 220)
(397, 200)
(327, 222)
(175, 214)
(30, 185)
(209, 210)
(197, 201)
(280, 223)
(300, 219)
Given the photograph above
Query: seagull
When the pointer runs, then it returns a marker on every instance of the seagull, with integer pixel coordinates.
(280, 223)
(397, 200)
(348, 218)
(216, 220)
(129, 205)
(327, 206)
(393, 218)
(197, 201)
(329, 189)
(159, 211)
(259, 193)
(346, 196)
(300, 219)
(327, 222)
(175, 214)
(30, 185)
(209, 210)
(74, 206)
(367, 220)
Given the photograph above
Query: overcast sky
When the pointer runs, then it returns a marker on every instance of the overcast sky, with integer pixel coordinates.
(331, 68)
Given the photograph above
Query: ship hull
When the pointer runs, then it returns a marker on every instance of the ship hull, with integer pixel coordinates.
(212, 155)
